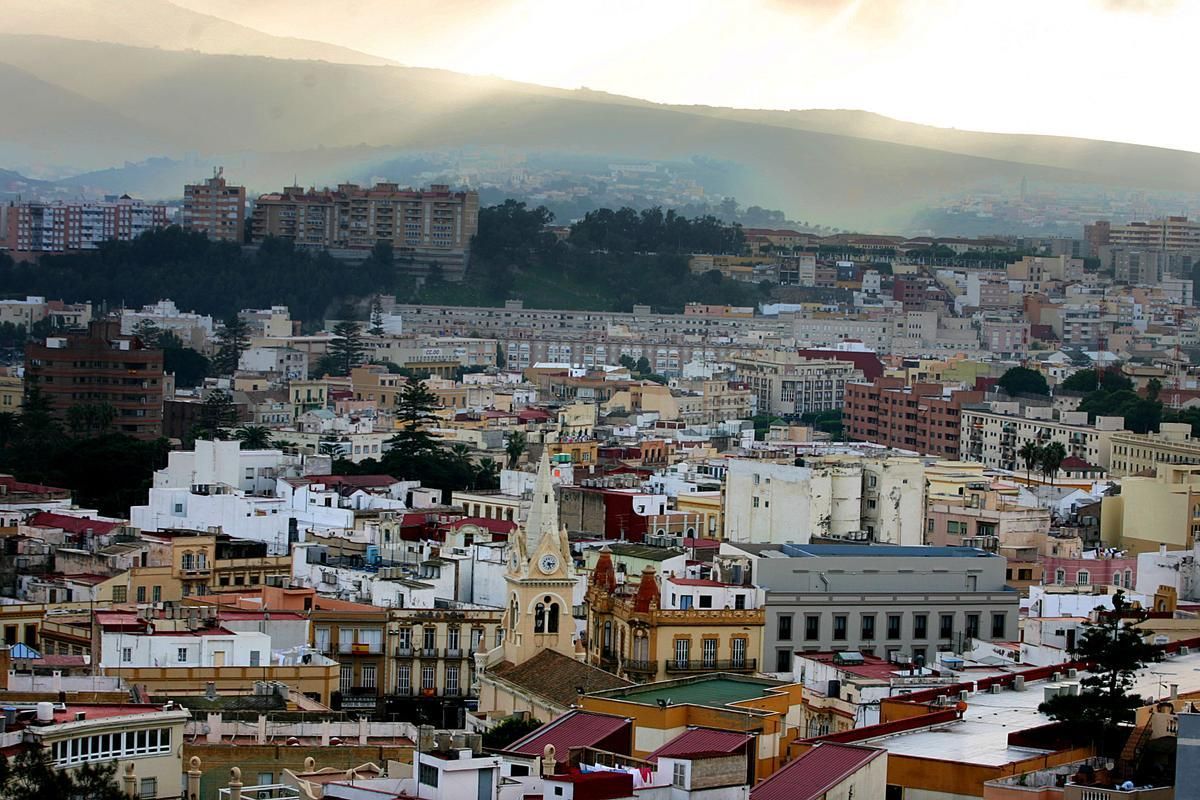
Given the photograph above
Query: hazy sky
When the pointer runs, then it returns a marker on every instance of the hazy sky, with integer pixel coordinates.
(1105, 69)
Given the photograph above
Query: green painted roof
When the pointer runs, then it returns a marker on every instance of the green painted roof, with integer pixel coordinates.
(712, 692)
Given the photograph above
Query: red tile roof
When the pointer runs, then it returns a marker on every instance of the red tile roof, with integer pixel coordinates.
(71, 524)
(573, 729)
(700, 742)
(814, 773)
(696, 582)
(355, 481)
(871, 666)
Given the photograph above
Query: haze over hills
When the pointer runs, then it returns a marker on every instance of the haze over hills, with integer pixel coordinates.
(90, 106)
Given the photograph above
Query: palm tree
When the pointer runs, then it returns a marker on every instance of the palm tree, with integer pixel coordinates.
(514, 448)
(284, 445)
(487, 474)
(1031, 454)
(253, 437)
(1053, 455)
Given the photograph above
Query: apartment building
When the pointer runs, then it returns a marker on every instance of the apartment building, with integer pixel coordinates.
(101, 369)
(830, 498)
(143, 741)
(787, 384)
(880, 600)
(215, 208)
(664, 626)
(34, 228)
(1134, 453)
(1154, 511)
(918, 416)
(435, 224)
(994, 432)
(1166, 233)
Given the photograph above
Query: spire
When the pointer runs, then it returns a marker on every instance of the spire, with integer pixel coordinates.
(647, 597)
(543, 512)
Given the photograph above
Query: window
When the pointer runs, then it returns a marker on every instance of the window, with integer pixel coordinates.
(998, 625)
(181, 655)
(839, 627)
(920, 625)
(126, 655)
(946, 626)
(685, 602)
(783, 660)
(893, 626)
(973, 626)
(428, 775)
(708, 651)
(738, 648)
(428, 678)
(739, 601)
(120, 594)
(148, 788)
(156, 594)
(679, 775)
(705, 601)
(141, 594)
(404, 679)
(321, 639)
(368, 676)
(1083, 578)
(1060, 576)
(255, 658)
(429, 638)
(452, 671)
(868, 627)
(346, 678)
(683, 650)
(784, 628)
(812, 628)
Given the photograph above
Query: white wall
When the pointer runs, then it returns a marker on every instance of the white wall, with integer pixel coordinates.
(163, 650)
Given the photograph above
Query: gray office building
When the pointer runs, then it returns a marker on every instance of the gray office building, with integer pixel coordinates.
(884, 600)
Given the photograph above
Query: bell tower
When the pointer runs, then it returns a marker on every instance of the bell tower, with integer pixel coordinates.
(540, 579)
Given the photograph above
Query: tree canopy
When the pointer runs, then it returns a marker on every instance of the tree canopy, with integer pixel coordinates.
(1023, 380)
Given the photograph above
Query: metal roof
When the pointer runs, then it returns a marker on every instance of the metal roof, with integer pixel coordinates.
(814, 773)
(574, 729)
(701, 742)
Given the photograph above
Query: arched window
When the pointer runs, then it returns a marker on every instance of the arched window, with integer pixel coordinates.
(607, 637)
(1060, 576)
(539, 618)
(552, 622)
(1128, 579)
(188, 560)
(514, 612)
(1116, 579)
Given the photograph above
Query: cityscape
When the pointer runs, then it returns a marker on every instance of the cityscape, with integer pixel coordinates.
(431, 435)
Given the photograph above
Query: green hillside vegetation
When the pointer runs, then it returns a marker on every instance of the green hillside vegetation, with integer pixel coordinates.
(809, 164)
(612, 260)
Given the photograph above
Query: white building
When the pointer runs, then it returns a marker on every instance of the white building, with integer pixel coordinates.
(285, 362)
(194, 330)
(992, 434)
(847, 498)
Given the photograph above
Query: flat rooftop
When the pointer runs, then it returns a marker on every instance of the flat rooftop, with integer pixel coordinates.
(860, 551)
(981, 736)
(716, 691)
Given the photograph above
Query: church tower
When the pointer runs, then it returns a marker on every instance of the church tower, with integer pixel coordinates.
(540, 580)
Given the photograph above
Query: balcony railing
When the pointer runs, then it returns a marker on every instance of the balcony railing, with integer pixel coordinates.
(360, 648)
(428, 652)
(403, 651)
(712, 665)
(454, 652)
(639, 666)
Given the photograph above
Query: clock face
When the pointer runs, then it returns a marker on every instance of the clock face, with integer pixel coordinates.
(548, 563)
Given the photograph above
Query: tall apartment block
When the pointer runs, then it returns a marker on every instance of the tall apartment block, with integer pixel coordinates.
(433, 225)
(1168, 233)
(215, 208)
(102, 368)
(924, 417)
(32, 229)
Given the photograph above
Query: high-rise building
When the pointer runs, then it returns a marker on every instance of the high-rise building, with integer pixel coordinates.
(432, 225)
(1167, 233)
(215, 208)
(115, 376)
(34, 228)
(923, 417)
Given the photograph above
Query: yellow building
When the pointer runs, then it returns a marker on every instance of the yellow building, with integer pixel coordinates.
(1154, 511)
(12, 394)
(1133, 453)
(771, 710)
(710, 507)
(647, 632)
(307, 396)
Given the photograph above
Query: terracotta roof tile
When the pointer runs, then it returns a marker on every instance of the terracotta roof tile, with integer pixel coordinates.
(556, 677)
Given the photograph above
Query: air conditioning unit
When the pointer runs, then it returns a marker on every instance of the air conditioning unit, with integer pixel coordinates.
(963, 695)
(1056, 677)
(1018, 683)
(1184, 649)
(995, 688)
(1072, 673)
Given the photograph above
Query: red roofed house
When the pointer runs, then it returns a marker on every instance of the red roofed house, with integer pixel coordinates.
(577, 729)
(829, 771)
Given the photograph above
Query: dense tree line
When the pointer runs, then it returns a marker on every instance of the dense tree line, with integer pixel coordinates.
(217, 278)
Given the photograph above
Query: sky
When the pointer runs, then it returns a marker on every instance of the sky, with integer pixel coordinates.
(1101, 69)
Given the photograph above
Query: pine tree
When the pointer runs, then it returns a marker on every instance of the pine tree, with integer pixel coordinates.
(233, 339)
(347, 351)
(415, 407)
(376, 328)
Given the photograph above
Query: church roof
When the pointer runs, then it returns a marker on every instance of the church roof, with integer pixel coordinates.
(557, 677)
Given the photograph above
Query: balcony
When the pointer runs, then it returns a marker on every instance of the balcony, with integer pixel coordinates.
(454, 652)
(639, 667)
(404, 651)
(360, 648)
(712, 665)
(428, 652)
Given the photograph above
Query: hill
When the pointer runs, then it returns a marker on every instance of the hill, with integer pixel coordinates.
(129, 103)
